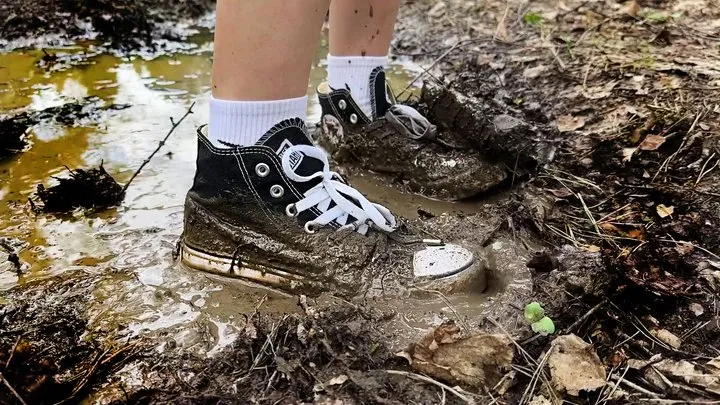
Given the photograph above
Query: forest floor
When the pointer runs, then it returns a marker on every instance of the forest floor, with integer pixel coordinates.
(606, 114)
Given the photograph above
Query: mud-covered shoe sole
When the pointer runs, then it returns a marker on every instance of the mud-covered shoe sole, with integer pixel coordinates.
(253, 272)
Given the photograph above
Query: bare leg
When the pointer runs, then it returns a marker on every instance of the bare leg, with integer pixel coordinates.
(362, 28)
(264, 48)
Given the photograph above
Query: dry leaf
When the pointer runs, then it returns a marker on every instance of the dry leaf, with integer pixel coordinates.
(697, 309)
(628, 154)
(438, 10)
(667, 337)
(560, 192)
(591, 248)
(575, 366)
(638, 234)
(478, 361)
(339, 380)
(534, 72)
(652, 142)
(664, 211)
(608, 227)
(632, 8)
(568, 123)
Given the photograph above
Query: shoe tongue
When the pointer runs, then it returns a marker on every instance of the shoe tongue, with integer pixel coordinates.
(289, 133)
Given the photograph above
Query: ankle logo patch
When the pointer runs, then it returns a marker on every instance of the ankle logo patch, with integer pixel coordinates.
(295, 158)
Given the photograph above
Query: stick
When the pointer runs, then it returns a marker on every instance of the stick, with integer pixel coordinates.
(585, 317)
(426, 70)
(434, 382)
(7, 384)
(160, 145)
(635, 386)
(12, 352)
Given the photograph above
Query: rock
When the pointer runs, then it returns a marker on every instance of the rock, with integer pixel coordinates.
(478, 361)
(574, 365)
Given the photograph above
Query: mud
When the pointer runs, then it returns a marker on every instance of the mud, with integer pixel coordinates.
(126, 25)
(609, 228)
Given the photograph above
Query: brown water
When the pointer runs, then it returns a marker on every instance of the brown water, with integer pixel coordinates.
(132, 243)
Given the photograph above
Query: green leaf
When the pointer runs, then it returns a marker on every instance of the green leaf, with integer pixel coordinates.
(534, 312)
(545, 326)
(533, 18)
(656, 16)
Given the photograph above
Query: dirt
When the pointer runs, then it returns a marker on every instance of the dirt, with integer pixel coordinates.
(607, 104)
(124, 25)
(606, 114)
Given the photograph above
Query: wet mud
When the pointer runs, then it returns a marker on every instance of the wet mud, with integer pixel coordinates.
(125, 25)
(606, 219)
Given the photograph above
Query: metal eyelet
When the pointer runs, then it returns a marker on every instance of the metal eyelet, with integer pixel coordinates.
(262, 169)
(310, 227)
(353, 118)
(291, 210)
(277, 191)
(342, 104)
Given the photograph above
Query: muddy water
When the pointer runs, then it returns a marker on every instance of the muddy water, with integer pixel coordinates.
(131, 245)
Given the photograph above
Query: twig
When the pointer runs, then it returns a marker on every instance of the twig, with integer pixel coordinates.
(435, 62)
(7, 384)
(635, 386)
(434, 382)
(12, 352)
(160, 145)
(585, 317)
(666, 164)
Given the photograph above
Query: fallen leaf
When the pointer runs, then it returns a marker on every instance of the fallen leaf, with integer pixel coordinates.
(591, 248)
(438, 10)
(610, 228)
(477, 361)
(697, 309)
(534, 72)
(664, 211)
(540, 400)
(568, 123)
(339, 380)
(561, 192)
(598, 92)
(632, 8)
(667, 337)
(652, 142)
(638, 234)
(574, 365)
(628, 154)
(689, 373)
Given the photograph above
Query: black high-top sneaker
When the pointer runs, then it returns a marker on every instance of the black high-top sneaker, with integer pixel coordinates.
(275, 214)
(398, 140)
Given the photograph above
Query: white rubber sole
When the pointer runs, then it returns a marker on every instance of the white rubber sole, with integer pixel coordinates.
(224, 266)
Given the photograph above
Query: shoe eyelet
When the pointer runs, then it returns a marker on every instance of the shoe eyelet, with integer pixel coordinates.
(262, 169)
(277, 191)
(353, 118)
(291, 210)
(342, 104)
(310, 227)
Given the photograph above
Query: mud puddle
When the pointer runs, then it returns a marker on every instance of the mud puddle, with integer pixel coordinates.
(129, 248)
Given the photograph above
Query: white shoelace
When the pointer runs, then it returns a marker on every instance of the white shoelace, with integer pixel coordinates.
(330, 190)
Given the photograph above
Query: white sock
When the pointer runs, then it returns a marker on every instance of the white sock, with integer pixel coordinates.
(245, 122)
(353, 72)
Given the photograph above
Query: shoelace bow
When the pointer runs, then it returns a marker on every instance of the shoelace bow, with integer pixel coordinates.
(330, 190)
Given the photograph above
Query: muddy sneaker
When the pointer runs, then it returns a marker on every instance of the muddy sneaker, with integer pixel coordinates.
(398, 140)
(275, 214)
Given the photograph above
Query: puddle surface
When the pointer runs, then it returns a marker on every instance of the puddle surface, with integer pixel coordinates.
(132, 243)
